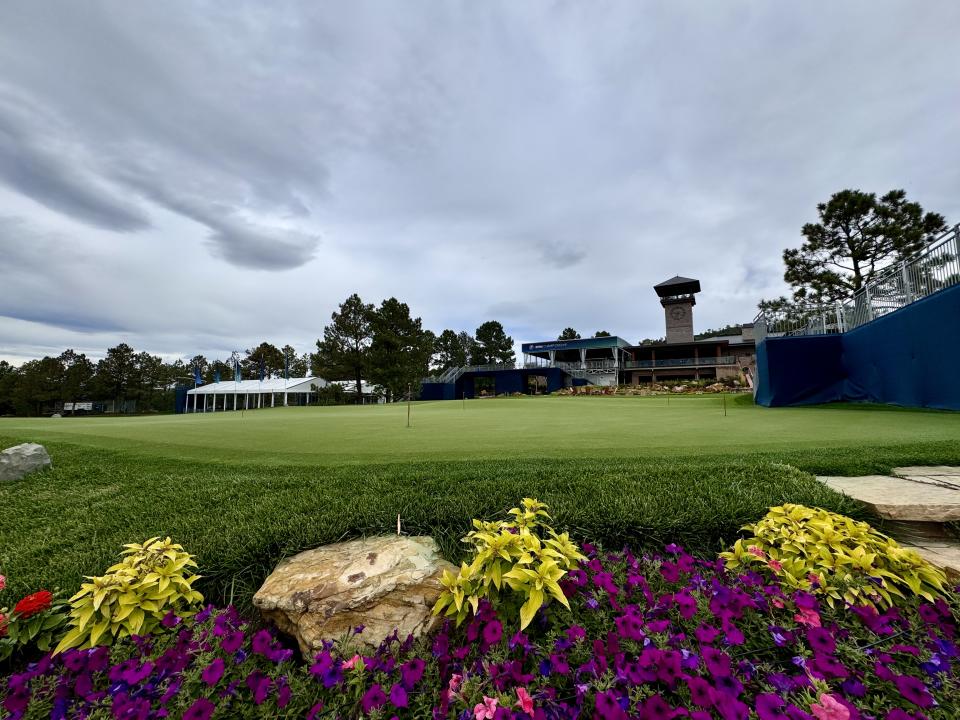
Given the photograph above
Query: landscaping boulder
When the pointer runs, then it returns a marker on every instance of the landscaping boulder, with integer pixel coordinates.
(21, 460)
(382, 583)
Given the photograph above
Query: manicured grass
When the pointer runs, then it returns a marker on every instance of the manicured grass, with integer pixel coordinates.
(243, 492)
(502, 428)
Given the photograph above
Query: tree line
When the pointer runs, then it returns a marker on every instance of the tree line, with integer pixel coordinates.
(125, 375)
(382, 345)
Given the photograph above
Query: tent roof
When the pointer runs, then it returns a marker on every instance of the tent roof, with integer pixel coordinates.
(253, 386)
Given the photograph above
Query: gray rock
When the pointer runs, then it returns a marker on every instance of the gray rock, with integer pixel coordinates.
(383, 583)
(21, 460)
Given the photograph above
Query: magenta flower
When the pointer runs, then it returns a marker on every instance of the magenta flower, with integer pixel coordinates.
(213, 672)
(914, 690)
(411, 672)
(770, 707)
(373, 698)
(608, 708)
(398, 696)
(259, 685)
(201, 709)
(232, 641)
(700, 692)
(821, 641)
(492, 632)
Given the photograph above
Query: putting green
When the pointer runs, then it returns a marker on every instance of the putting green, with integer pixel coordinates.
(513, 428)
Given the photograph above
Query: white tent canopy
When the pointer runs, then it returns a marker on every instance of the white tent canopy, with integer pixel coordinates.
(250, 394)
(290, 385)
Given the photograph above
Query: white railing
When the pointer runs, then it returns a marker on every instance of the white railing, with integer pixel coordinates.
(934, 268)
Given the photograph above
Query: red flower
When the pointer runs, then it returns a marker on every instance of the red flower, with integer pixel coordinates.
(33, 604)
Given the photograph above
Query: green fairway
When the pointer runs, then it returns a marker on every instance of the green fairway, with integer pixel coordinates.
(243, 491)
(501, 428)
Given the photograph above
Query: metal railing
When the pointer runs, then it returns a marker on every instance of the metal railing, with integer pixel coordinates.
(451, 375)
(680, 362)
(934, 268)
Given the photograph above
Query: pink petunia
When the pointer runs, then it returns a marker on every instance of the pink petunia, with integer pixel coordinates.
(829, 708)
(525, 701)
(348, 664)
(485, 710)
(808, 617)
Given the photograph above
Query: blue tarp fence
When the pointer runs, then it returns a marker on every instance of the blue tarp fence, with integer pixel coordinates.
(910, 357)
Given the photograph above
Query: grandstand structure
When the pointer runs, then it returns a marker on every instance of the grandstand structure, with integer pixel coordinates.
(550, 365)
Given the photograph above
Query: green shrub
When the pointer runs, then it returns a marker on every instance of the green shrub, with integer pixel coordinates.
(835, 556)
(521, 554)
(134, 596)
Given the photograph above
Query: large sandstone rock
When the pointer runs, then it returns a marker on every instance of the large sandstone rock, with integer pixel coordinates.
(21, 460)
(382, 583)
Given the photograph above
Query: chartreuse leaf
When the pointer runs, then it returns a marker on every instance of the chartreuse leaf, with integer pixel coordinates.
(833, 555)
(134, 595)
(522, 555)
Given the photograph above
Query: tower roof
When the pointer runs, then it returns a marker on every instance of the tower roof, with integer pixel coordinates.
(677, 286)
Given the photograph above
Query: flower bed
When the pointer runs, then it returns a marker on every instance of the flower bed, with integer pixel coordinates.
(646, 637)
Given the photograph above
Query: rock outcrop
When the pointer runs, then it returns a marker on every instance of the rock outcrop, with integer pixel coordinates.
(20, 460)
(381, 583)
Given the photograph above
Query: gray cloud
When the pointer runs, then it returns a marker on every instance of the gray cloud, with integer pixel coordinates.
(543, 163)
(37, 160)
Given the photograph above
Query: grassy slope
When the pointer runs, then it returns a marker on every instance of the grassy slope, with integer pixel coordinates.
(342, 472)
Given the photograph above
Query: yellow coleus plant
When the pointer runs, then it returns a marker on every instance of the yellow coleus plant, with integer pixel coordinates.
(134, 596)
(523, 555)
(835, 556)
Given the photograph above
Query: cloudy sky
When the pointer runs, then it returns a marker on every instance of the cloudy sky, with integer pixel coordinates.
(200, 176)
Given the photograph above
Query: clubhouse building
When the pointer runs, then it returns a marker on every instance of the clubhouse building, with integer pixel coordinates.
(607, 361)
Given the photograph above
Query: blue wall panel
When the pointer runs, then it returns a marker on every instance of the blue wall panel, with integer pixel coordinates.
(799, 373)
(910, 357)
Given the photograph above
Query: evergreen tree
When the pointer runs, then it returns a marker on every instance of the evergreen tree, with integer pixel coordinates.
(266, 355)
(400, 349)
(493, 345)
(452, 349)
(601, 333)
(116, 372)
(342, 353)
(857, 237)
(569, 334)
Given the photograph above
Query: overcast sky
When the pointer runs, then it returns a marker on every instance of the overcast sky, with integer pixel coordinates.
(199, 177)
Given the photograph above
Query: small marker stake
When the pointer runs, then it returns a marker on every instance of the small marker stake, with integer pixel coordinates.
(724, 405)
(408, 405)
(398, 523)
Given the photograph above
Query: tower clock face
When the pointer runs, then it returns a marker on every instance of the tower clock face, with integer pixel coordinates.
(678, 312)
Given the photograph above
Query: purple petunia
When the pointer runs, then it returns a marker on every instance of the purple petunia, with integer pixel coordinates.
(913, 690)
(398, 696)
(492, 632)
(411, 672)
(770, 707)
(373, 698)
(232, 641)
(201, 709)
(213, 672)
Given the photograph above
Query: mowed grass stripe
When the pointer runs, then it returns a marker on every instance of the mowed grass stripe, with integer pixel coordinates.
(512, 427)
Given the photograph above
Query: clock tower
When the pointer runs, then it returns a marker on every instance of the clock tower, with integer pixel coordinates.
(677, 299)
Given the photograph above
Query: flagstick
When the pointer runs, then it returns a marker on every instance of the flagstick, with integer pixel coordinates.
(408, 404)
